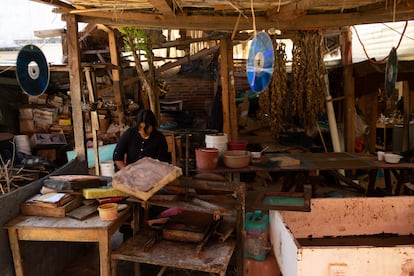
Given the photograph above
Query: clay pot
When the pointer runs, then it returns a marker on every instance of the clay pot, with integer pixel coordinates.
(206, 158)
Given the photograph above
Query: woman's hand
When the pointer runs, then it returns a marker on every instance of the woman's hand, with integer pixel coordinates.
(120, 164)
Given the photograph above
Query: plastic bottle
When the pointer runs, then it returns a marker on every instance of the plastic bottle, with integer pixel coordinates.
(256, 244)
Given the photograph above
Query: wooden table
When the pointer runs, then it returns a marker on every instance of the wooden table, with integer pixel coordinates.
(400, 170)
(38, 228)
(309, 163)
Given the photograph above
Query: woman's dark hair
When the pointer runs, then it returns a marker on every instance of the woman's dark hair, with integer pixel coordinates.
(146, 116)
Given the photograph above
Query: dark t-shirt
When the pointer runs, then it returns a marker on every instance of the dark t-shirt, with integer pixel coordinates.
(134, 147)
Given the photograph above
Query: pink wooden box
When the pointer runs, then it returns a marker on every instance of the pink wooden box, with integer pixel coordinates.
(346, 236)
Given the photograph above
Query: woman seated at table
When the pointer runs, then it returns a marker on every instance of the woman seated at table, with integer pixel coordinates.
(143, 140)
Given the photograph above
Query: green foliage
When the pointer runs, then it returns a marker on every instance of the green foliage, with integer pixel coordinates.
(140, 38)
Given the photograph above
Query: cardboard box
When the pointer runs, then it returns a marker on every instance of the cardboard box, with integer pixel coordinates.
(48, 154)
(44, 116)
(42, 99)
(47, 139)
(26, 113)
(27, 125)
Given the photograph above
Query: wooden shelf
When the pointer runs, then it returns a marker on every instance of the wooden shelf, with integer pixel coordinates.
(384, 132)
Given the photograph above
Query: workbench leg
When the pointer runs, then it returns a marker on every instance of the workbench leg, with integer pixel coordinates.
(387, 179)
(371, 181)
(15, 247)
(114, 264)
(241, 202)
(137, 269)
(104, 253)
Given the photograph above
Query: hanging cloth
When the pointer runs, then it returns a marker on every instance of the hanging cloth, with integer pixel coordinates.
(391, 70)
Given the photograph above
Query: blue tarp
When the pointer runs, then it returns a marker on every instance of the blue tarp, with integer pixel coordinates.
(105, 154)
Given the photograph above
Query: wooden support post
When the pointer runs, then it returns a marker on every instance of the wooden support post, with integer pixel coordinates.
(94, 118)
(406, 115)
(230, 125)
(75, 77)
(349, 91)
(232, 93)
(116, 79)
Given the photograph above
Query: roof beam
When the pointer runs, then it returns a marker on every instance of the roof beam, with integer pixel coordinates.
(56, 3)
(227, 23)
(162, 6)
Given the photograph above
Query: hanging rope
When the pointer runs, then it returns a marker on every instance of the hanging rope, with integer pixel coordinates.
(385, 58)
(254, 18)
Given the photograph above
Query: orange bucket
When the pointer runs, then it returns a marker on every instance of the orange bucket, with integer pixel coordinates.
(108, 211)
(206, 158)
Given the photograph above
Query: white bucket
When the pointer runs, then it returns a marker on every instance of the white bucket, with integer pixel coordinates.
(218, 141)
(23, 144)
(107, 168)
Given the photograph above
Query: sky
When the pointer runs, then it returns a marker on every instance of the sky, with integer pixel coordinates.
(20, 18)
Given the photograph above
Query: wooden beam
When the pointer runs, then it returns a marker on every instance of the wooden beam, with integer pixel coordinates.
(162, 6)
(116, 76)
(185, 60)
(75, 77)
(225, 95)
(56, 3)
(349, 91)
(234, 125)
(227, 23)
(406, 115)
(49, 33)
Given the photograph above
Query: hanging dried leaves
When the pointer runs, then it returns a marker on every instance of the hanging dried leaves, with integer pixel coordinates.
(272, 100)
(308, 83)
(306, 96)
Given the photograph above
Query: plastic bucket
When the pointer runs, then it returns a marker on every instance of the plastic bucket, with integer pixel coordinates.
(23, 144)
(206, 158)
(108, 211)
(107, 168)
(217, 140)
(238, 145)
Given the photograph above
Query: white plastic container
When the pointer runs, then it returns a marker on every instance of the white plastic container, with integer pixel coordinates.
(107, 168)
(218, 141)
(23, 144)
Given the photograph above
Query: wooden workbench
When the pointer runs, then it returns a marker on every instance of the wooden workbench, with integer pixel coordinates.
(182, 255)
(38, 228)
(309, 164)
(214, 258)
(401, 171)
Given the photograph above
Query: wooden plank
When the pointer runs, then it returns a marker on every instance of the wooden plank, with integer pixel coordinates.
(224, 76)
(116, 76)
(285, 161)
(75, 74)
(83, 212)
(94, 119)
(34, 209)
(234, 126)
(214, 257)
(348, 91)
(406, 114)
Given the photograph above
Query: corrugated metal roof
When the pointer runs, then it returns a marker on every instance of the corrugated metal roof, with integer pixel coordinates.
(378, 40)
